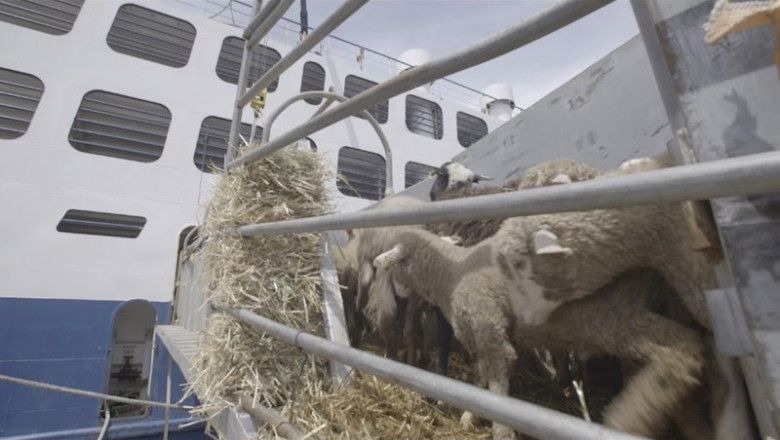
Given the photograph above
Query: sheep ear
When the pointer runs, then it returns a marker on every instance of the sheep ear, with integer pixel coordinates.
(561, 179)
(389, 258)
(479, 178)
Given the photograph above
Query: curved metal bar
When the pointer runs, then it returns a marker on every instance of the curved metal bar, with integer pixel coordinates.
(330, 95)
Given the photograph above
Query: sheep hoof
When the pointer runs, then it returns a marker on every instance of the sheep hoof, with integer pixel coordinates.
(467, 420)
(545, 242)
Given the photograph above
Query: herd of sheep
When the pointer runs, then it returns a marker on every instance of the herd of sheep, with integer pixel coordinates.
(582, 282)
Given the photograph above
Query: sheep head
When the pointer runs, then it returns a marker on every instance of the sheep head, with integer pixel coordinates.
(453, 175)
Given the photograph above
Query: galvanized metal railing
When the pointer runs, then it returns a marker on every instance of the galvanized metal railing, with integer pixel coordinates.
(554, 18)
(259, 27)
(747, 175)
(754, 174)
(526, 417)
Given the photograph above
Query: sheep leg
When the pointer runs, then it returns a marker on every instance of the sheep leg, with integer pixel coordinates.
(495, 356)
(444, 334)
(673, 361)
(413, 330)
(388, 330)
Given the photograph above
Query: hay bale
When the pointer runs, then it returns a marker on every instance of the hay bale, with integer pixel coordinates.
(275, 276)
(371, 409)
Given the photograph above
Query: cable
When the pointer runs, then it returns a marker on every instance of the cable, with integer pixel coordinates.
(92, 394)
(107, 416)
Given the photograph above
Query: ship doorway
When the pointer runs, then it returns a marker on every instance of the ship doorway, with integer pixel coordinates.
(131, 357)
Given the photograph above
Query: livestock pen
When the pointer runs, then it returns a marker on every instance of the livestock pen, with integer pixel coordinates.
(707, 134)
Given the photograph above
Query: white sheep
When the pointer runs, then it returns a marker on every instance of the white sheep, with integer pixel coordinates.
(478, 302)
(405, 317)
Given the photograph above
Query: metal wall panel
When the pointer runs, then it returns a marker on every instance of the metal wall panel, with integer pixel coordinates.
(603, 116)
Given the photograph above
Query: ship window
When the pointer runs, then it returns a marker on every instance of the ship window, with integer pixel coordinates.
(119, 126)
(354, 85)
(101, 223)
(52, 17)
(470, 129)
(229, 62)
(361, 174)
(416, 172)
(424, 117)
(131, 357)
(213, 140)
(151, 35)
(19, 97)
(313, 79)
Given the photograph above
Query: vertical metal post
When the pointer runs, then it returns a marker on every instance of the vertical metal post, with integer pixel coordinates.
(722, 101)
(238, 110)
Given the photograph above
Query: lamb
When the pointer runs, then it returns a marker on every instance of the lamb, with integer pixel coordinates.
(392, 315)
(478, 303)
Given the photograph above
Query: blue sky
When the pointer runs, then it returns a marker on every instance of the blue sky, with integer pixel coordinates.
(445, 26)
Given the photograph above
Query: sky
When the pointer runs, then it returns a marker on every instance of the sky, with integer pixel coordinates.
(446, 26)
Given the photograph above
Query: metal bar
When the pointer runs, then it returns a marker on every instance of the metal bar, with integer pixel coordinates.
(272, 418)
(525, 417)
(91, 394)
(269, 22)
(332, 96)
(754, 174)
(554, 18)
(345, 11)
(662, 77)
(324, 106)
(258, 17)
(389, 58)
(127, 429)
(243, 71)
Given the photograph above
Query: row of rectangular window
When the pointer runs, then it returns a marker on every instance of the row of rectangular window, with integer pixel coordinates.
(120, 126)
(361, 174)
(161, 38)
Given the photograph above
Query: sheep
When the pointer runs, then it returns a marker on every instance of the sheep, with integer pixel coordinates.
(554, 172)
(478, 303)
(392, 315)
(454, 181)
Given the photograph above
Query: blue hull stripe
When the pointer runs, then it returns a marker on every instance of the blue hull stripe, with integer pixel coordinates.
(67, 342)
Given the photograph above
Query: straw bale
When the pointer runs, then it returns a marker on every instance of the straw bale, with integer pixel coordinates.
(275, 276)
